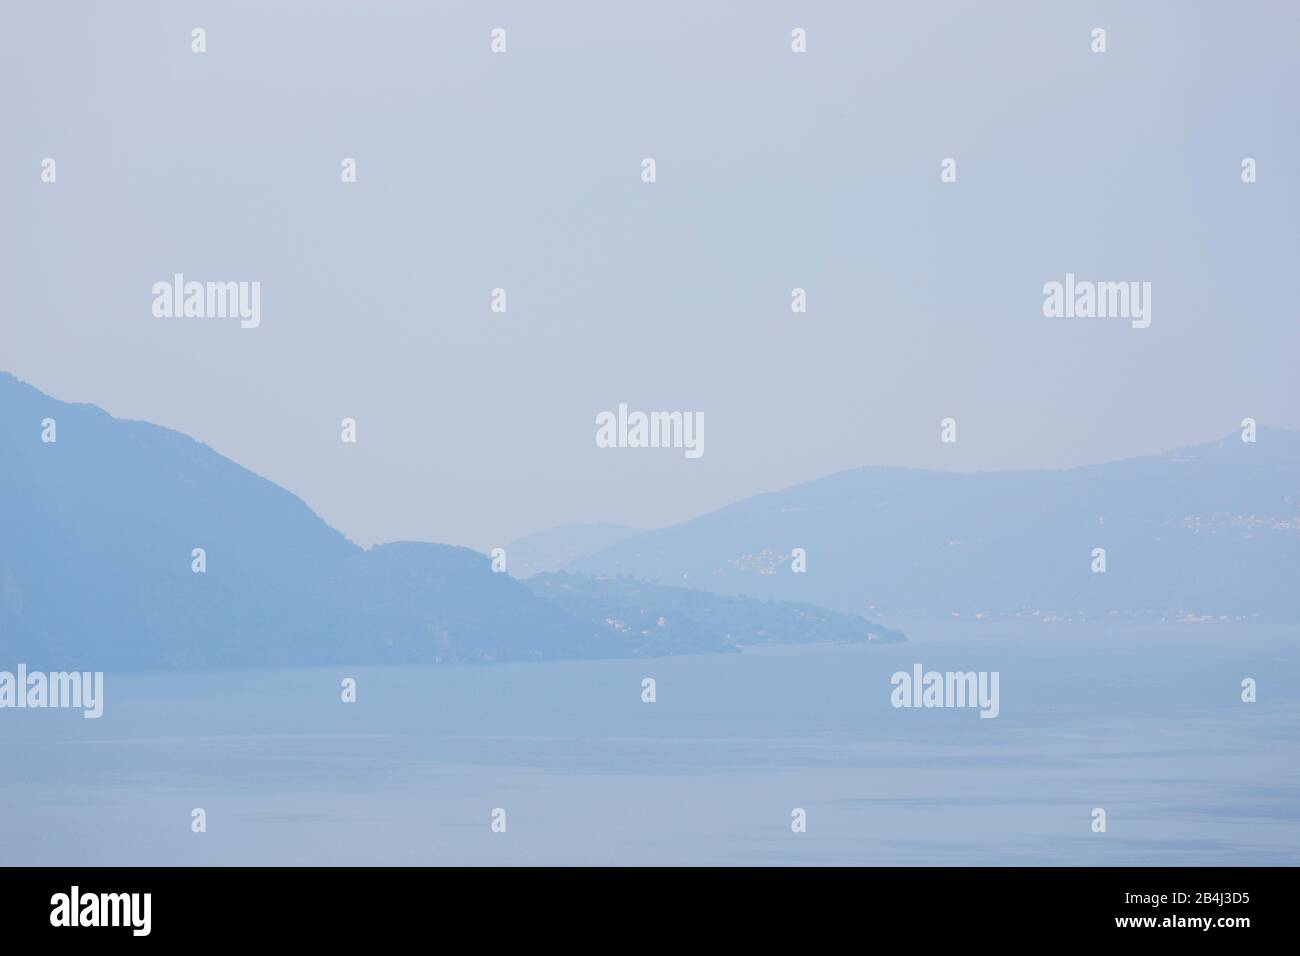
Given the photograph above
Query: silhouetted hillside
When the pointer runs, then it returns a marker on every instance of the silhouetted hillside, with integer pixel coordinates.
(98, 530)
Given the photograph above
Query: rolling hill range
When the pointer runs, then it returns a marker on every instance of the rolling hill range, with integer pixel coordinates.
(97, 536)
(1211, 531)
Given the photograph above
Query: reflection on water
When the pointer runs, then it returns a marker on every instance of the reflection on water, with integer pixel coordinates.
(1147, 724)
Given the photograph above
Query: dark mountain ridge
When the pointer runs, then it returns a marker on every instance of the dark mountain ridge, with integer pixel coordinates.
(98, 530)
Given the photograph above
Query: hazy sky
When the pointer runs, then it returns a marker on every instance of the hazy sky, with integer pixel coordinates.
(775, 170)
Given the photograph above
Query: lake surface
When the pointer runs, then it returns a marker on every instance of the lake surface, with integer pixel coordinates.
(1145, 723)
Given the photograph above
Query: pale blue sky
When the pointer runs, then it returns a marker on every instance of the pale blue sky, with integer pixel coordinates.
(775, 170)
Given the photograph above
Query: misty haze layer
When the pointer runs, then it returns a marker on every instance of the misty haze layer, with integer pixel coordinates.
(775, 171)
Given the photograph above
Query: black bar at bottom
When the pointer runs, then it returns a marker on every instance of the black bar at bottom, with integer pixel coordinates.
(371, 905)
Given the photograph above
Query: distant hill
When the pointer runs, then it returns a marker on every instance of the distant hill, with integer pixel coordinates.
(554, 548)
(1212, 530)
(97, 531)
(648, 617)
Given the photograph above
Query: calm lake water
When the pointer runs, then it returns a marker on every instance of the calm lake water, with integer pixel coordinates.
(1145, 723)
